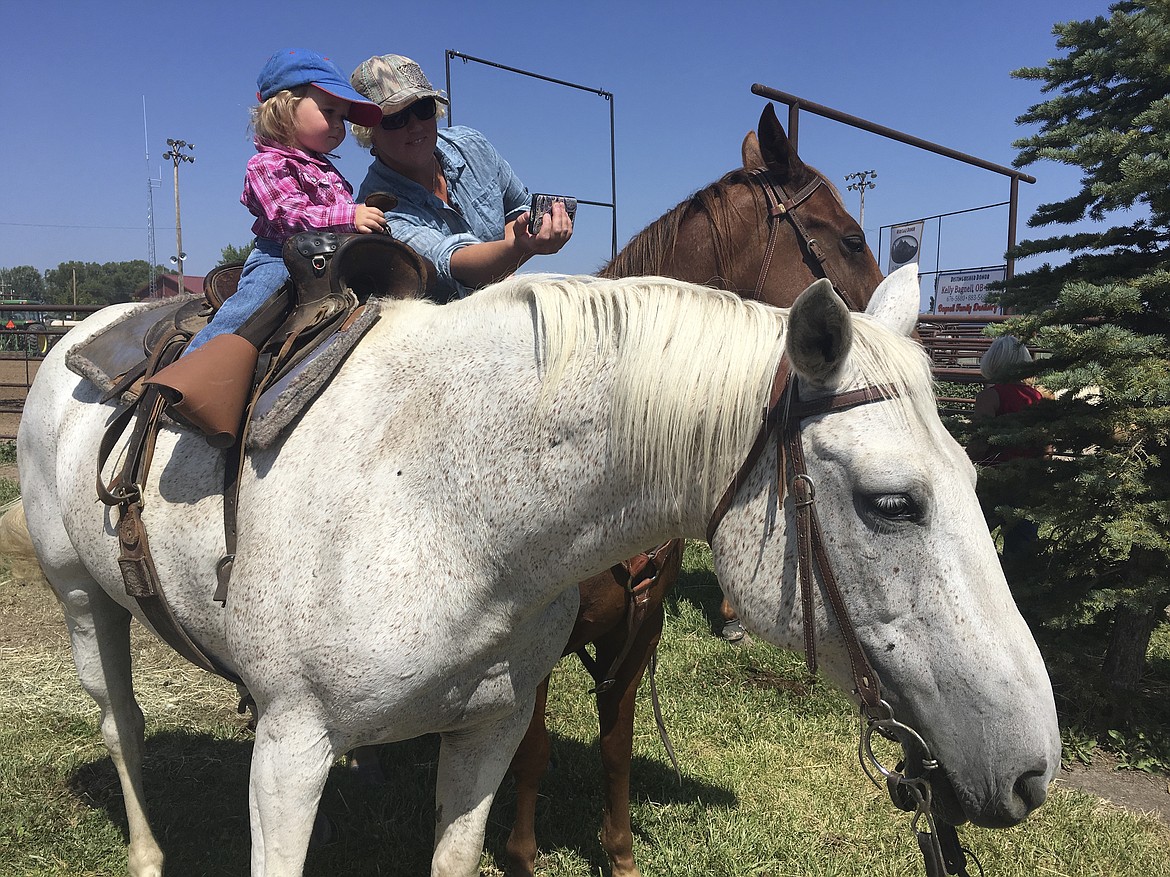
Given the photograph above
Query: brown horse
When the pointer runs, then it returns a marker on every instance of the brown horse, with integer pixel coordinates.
(766, 231)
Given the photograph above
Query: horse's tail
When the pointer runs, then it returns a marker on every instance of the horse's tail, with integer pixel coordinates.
(16, 544)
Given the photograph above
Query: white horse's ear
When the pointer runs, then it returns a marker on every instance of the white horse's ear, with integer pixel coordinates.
(895, 302)
(820, 333)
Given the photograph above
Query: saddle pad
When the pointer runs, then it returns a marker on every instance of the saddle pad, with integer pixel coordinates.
(281, 403)
(117, 348)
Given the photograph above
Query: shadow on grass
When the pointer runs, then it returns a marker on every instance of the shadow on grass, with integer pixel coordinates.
(197, 794)
(699, 586)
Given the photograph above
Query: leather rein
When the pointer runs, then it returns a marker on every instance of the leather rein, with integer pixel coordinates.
(783, 206)
(941, 850)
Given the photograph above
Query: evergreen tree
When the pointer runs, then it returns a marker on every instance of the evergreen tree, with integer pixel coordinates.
(1102, 502)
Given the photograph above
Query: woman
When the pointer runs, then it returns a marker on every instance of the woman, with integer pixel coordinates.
(1006, 394)
(459, 203)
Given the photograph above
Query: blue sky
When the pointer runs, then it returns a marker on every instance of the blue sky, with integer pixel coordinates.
(74, 78)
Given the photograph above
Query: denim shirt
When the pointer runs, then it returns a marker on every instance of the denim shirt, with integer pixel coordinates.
(483, 191)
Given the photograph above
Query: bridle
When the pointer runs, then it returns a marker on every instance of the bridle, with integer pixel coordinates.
(941, 850)
(783, 206)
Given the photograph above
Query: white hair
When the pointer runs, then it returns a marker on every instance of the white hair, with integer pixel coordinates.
(1002, 358)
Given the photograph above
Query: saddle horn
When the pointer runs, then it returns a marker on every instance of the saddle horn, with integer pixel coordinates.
(377, 265)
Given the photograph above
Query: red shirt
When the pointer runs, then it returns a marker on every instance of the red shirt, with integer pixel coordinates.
(1014, 398)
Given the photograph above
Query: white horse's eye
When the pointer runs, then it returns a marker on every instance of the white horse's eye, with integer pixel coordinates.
(895, 507)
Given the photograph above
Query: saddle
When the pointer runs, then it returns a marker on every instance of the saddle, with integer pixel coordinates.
(292, 345)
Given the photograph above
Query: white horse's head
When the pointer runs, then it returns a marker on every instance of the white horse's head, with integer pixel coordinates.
(907, 541)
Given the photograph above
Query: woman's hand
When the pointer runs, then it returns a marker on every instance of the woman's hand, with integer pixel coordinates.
(555, 231)
(477, 265)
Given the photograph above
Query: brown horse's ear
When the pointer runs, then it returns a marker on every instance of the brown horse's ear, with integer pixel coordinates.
(750, 150)
(777, 152)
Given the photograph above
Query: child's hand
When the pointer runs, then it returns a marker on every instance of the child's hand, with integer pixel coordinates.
(369, 220)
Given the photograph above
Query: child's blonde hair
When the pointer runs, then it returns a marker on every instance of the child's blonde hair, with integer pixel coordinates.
(274, 119)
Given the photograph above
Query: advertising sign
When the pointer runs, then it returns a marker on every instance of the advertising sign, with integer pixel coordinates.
(965, 292)
(905, 244)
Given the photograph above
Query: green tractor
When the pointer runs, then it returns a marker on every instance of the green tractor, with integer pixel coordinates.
(22, 327)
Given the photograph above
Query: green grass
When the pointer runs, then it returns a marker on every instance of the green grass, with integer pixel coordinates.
(771, 784)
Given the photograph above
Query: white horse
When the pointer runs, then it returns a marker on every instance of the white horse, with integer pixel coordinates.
(526, 438)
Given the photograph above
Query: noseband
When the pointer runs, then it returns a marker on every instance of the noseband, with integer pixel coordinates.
(781, 206)
(939, 843)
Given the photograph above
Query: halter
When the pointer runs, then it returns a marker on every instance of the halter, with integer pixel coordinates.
(781, 205)
(939, 843)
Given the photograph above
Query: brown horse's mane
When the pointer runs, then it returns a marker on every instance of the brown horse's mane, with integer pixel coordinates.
(652, 250)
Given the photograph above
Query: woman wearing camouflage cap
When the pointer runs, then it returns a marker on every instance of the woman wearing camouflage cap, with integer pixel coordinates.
(459, 202)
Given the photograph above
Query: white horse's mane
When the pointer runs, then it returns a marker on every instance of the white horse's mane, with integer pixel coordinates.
(692, 367)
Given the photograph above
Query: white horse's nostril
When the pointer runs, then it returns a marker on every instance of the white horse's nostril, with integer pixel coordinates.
(1032, 789)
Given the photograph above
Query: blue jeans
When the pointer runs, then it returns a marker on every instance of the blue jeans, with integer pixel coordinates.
(264, 272)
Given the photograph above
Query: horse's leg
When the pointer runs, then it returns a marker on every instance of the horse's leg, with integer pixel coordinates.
(471, 765)
(615, 713)
(99, 630)
(528, 766)
(290, 763)
(732, 629)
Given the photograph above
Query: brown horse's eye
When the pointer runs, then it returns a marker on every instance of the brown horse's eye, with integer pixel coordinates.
(854, 243)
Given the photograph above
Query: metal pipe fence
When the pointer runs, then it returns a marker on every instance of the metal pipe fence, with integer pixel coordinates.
(22, 349)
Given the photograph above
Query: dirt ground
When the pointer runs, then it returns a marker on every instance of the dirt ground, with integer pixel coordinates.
(1131, 789)
(1124, 788)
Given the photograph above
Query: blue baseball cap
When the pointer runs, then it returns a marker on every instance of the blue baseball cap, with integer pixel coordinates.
(291, 68)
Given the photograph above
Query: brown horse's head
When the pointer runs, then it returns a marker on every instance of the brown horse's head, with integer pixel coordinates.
(719, 235)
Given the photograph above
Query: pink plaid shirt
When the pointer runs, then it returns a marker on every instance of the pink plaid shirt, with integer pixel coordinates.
(290, 191)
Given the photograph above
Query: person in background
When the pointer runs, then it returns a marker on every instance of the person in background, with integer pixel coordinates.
(460, 205)
(1005, 394)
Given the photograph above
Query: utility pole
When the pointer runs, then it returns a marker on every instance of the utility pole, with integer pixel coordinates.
(151, 184)
(862, 180)
(174, 154)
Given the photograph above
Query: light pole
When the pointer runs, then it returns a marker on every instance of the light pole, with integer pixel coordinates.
(863, 180)
(174, 154)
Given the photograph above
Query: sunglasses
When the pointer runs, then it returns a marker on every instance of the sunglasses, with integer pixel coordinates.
(423, 109)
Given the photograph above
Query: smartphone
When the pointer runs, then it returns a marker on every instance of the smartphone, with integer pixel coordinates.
(542, 204)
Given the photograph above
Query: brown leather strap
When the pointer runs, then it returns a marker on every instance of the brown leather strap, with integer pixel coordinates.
(768, 423)
(637, 576)
(784, 401)
(781, 205)
(125, 491)
(811, 543)
(811, 548)
(143, 584)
